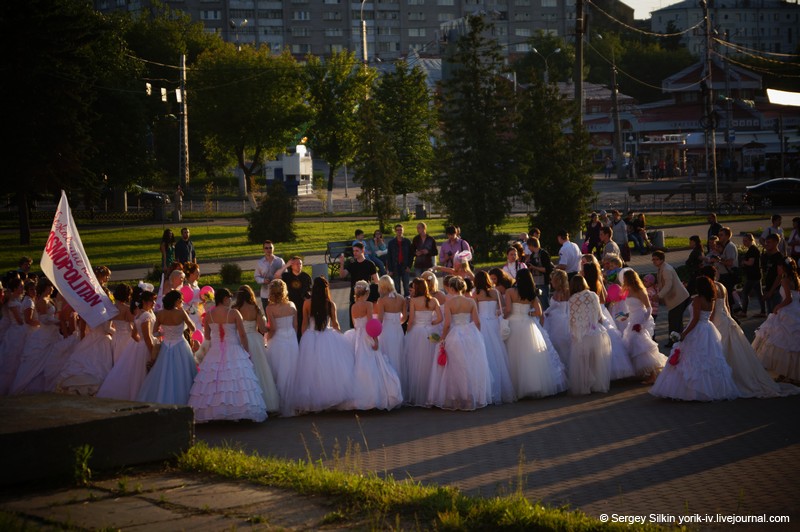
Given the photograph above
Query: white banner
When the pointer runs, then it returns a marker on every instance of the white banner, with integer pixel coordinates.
(65, 263)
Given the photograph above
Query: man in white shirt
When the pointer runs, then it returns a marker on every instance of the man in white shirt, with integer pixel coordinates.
(728, 260)
(609, 246)
(620, 235)
(569, 256)
(265, 271)
(775, 229)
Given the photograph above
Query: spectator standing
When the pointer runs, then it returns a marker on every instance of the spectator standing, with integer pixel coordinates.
(167, 249)
(751, 264)
(569, 256)
(398, 259)
(359, 269)
(694, 262)
(541, 266)
(770, 260)
(620, 235)
(592, 237)
(713, 227)
(454, 244)
(179, 200)
(604, 219)
(266, 270)
(775, 229)
(423, 247)
(728, 266)
(793, 244)
(672, 292)
(607, 245)
(298, 287)
(184, 248)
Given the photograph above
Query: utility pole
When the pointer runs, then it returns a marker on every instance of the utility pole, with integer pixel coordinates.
(183, 131)
(729, 133)
(615, 117)
(710, 118)
(781, 141)
(580, 28)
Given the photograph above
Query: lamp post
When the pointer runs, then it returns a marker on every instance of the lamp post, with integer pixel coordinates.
(235, 27)
(545, 58)
(364, 56)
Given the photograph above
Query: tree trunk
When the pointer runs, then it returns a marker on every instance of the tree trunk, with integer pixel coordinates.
(329, 200)
(24, 219)
(251, 195)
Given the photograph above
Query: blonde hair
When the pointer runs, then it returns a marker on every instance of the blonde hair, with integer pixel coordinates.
(458, 284)
(560, 282)
(361, 288)
(278, 293)
(430, 279)
(633, 283)
(386, 285)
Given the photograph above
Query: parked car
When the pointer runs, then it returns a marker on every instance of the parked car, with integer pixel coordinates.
(782, 191)
(146, 198)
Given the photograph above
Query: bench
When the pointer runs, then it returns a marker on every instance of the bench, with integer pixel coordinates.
(332, 252)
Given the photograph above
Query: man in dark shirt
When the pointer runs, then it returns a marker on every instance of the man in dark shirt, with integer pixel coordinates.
(769, 264)
(298, 286)
(423, 246)
(751, 264)
(713, 227)
(359, 269)
(398, 260)
(184, 249)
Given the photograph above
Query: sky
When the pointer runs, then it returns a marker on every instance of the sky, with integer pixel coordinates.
(642, 8)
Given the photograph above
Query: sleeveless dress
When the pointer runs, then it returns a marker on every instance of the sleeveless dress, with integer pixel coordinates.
(89, 363)
(420, 355)
(392, 340)
(11, 348)
(590, 354)
(375, 382)
(621, 358)
(776, 342)
(130, 369)
(556, 323)
(170, 378)
(41, 344)
(464, 382)
(642, 349)
(282, 353)
(226, 386)
(701, 372)
(502, 390)
(258, 356)
(121, 337)
(324, 376)
(749, 375)
(535, 367)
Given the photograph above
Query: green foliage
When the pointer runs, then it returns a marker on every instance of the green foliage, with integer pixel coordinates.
(81, 470)
(555, 168)
(559, 65)
(231, 273)
(476, 173)
(274, 218)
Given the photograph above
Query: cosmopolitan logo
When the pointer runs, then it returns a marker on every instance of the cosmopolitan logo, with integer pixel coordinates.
(59, 253)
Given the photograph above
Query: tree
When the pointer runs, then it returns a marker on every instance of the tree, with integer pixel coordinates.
(75, 51)
(559, 64)
(376, 165)
(249, 103)
(274, 218)
(555, 167)
(476, 170)
(336, 88)
(407, 117)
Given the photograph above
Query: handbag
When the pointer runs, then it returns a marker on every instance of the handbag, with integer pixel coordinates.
(505, 327)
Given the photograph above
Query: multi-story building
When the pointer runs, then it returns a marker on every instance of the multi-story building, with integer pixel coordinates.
(759, 25)
(393, 27)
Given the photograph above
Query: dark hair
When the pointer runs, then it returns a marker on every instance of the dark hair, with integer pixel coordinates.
(450, 230)
(122, 293)
(563, 233)
(320, 303)
(140, 298)
(708, 271)
(659, 255)
(577, 284)
(420, 286)
(265, 242)
(359, 232)
(12, 283)
(470, 284)
(42, 285)
(168, 237)
(190, 267)
(483, 283)
(696, 240)
(776, 217)
(706, 288)
(591, 272)
(525, 286)
(358, 245)
(773, 237)
(170, 299)
(221, 294)
(29, 285)
(606, 230)
(503, 279)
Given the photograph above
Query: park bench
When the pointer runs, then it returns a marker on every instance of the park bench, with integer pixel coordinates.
(332, 253)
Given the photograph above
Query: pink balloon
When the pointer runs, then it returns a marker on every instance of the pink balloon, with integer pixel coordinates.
(198, 335)
(206, 290)
(614, 292)
(188, 293)
(374, 328)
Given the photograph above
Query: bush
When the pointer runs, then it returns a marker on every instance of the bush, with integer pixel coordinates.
(231, 273)
(154, 275)
(274, 218)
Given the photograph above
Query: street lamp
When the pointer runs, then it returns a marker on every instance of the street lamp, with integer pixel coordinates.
(235, 27)
(364, 57)
(546, 68)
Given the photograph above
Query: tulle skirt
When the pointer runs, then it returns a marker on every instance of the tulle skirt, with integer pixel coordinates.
(88, 364)
(261, 366)
(776, 342)
(126, 377)
(590, 362)
(282, 354)
(535, 367)
(171, 377)
(40, 346)
(324, 376)
(464, 382)
(502, 390)
(392, 341)
(420, 355)
(375, 382)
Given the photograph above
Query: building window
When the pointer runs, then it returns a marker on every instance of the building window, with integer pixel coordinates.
(334, 32)
(301, 49)
(416, 15)
(416, 32)
(332, 15)
(271, 14)
(525, 47)
(335, 48)
(444, 17)
(522, 32)
(300, 31)
(211, 14)
(301, 15)
(522, 2)
(416, 2)
(522, 16)
(549, 3)
(444, 2)
(332, 2)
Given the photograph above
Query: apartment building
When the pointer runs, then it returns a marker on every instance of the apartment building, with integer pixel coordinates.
(750, 25)
(393, 27)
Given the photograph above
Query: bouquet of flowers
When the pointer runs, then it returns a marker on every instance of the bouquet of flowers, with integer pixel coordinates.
(442, 360)
(674, 337)
(637, 327)
(675, 357)
(434, 338)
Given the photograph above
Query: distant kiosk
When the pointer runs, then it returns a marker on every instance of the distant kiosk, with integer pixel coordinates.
(293, 169)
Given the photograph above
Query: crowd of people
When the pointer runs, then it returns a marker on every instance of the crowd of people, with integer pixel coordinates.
(533, 327)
